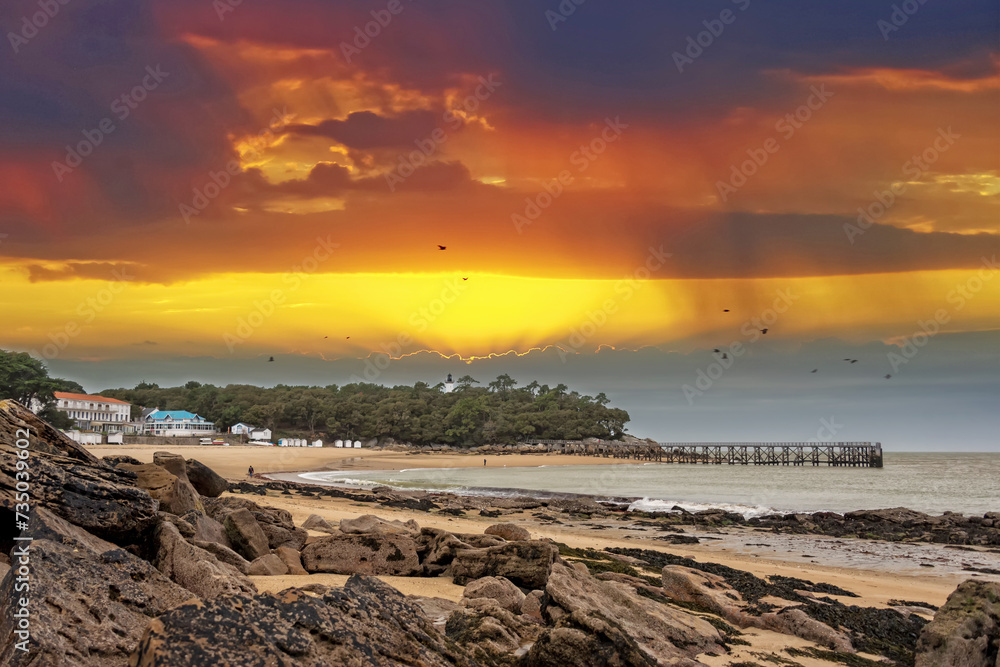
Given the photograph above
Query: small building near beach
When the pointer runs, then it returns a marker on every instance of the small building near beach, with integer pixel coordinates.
(176, 423)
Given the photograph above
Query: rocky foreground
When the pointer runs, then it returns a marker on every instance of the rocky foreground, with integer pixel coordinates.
(151, 564)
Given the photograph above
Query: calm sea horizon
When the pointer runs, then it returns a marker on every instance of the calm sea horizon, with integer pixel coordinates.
(928, 482)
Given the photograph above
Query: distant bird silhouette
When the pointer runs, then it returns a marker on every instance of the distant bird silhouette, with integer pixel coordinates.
(348, 338)
(846, 359)
(325, 337)
(725, 356)
(887, 377)
(854, 361)
(271, 359)
(725, 310)
(763, 331)
(464, 278)
(442, 247)
(814, 370)
(716, 350)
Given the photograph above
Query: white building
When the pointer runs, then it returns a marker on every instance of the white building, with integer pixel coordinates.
(449, 385)
(95, 413)
(176, 423)
(241, 429)
(260, 433)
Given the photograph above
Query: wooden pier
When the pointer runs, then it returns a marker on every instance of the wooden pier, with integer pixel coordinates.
(838, 454)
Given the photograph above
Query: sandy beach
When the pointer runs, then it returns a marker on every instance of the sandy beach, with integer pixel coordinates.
(232, 462)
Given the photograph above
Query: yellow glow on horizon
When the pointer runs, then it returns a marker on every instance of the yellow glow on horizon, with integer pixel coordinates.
(483, 315)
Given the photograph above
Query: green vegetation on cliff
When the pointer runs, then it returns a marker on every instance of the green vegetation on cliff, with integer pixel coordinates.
(499, 413)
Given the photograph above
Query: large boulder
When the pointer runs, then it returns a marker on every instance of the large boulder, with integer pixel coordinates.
(710, 592)
(436, 550)
(317, 523)
(207, 529)
(364, 623)
(525, 563)
(70, 481)
(607, 623)
(508, 531)
(90, 604)
(225, 555)
(369, 523)
(268, 566)
(246, 535)
(206, 481)
(176, 495)
(374, 553)
(194, 568)
(495, 589)
(172, 463)
(965, 631)
(292, 560)
(276, 523)
(493, 634)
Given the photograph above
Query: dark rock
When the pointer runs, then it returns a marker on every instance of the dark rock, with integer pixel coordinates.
(436, 550)
(268, 566)
(246, 535)
(499, 590)
(207, 529)
(965, 631)
(194, 568)
(526, 563)
(176, 495)
(225, 555)
(492, 633)
(317, 523)
(366, 622)
(369, 523)
(121, 458)
(603, 623)
(89, 604)
(375, 553)
(276, 524)
(508, 531)
(292, 560)
(205, 480)
(183, 527)
(71, 482)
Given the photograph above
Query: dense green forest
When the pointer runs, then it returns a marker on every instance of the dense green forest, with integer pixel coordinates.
(498, 413)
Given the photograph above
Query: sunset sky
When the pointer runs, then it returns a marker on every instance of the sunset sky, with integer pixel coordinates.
(188, 188)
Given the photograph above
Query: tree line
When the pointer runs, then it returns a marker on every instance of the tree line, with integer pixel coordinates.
(500, 412)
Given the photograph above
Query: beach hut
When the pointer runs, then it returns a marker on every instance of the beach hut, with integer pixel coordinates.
(357, 444)
(317, 443)
(338, 443)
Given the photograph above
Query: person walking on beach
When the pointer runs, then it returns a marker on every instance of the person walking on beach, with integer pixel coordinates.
(250, 472)
(484, 463)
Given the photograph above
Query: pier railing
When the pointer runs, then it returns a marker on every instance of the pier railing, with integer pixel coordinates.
(839, 454)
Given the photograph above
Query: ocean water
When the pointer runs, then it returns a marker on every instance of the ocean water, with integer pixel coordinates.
(932, 483)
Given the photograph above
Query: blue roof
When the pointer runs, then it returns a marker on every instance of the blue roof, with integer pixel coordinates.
(173, 414)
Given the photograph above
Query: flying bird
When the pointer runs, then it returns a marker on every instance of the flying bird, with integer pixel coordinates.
(887, 377)
(348, 338)
(814, 370)
(725, 356)
(464, 278)
(716, 350)
(271, 359)
(763, 331)
(854, 361)
(725, 310)
(442, 247)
